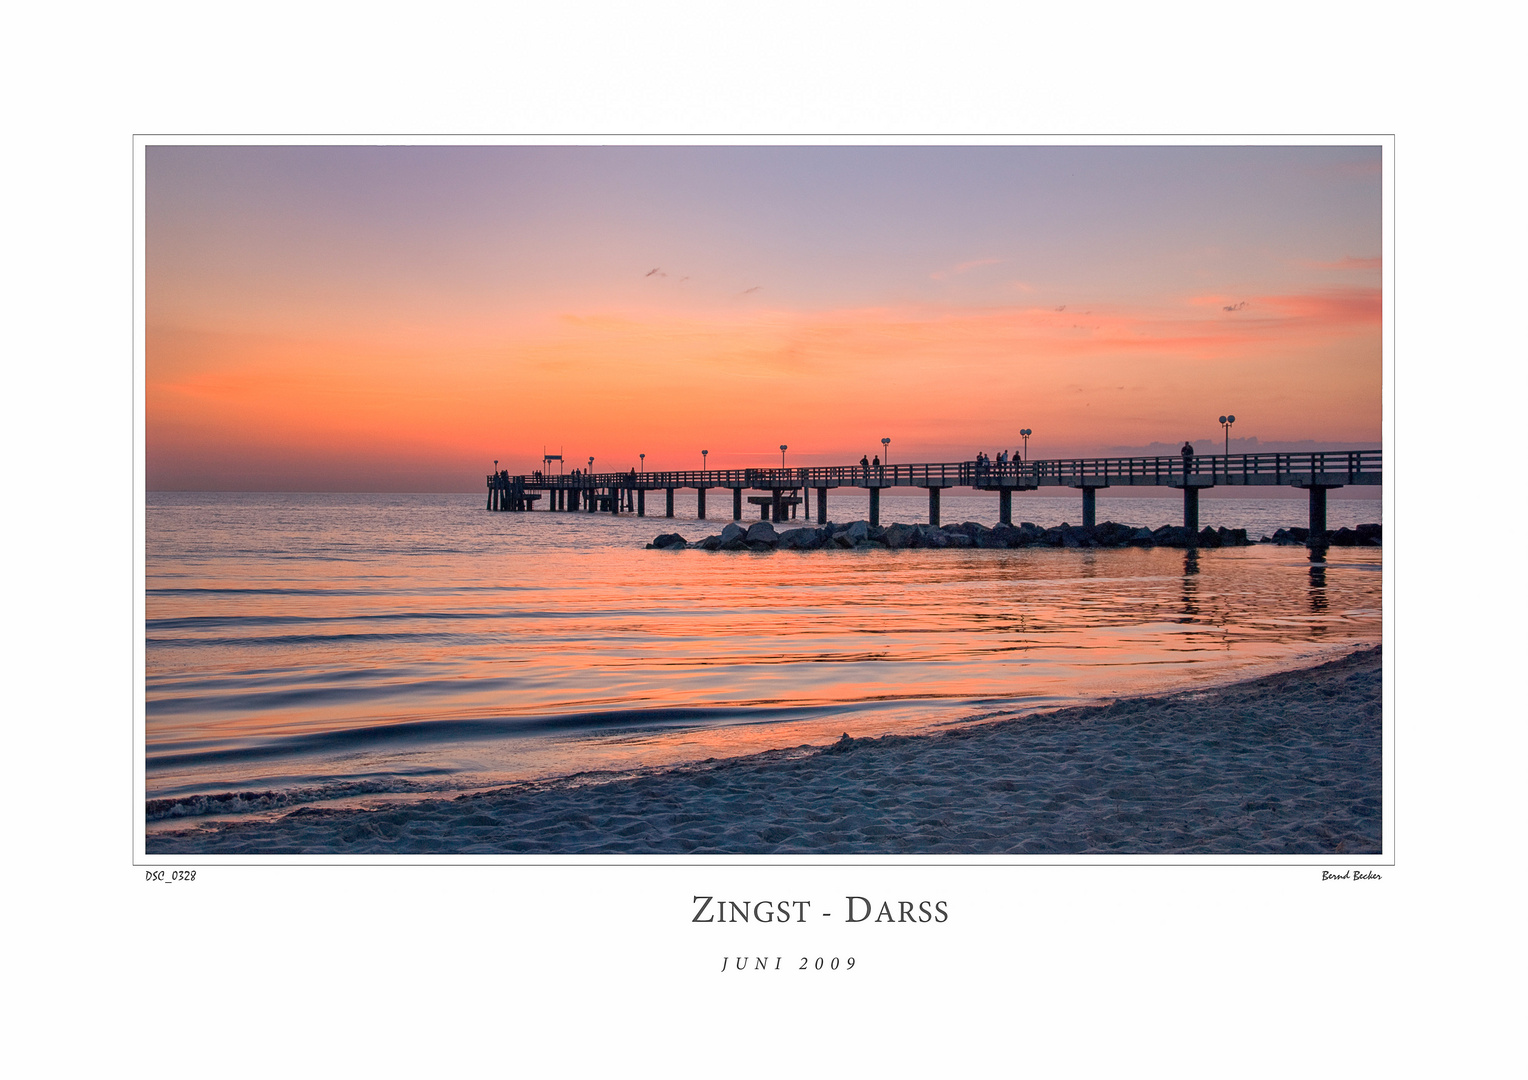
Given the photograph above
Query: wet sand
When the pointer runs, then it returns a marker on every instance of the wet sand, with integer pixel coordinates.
(1281, 765)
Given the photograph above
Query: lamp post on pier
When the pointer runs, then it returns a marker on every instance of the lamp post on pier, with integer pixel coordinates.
(783, 449)
(1225, 425)
(644, 462)
(703, 454)
(1026, 433)
(885, 451)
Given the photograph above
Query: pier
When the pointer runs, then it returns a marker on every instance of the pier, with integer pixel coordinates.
(785, 489)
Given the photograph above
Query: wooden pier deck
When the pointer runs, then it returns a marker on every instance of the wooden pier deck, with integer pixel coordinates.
(1316, 472)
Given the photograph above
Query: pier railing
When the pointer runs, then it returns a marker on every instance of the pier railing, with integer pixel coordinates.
(1352, 467)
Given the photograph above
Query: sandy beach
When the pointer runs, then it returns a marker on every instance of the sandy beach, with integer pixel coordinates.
(1285, 764)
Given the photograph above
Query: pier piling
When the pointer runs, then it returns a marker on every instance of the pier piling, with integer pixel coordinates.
(875, 506)
(669, 502)
(1317, 511)
(700, 503)
(933, 507)
(822, 506)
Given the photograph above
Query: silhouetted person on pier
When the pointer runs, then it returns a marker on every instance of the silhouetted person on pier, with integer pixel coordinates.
(865, 468)
(1188, 456)
(879, 472)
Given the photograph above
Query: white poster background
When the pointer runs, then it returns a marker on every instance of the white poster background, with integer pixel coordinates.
(1070, 970)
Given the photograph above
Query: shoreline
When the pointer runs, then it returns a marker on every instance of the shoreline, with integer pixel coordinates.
(1286, 763)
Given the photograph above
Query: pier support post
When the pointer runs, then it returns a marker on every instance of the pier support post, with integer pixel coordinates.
(1317, 513)
(933, 507)
(1089, 507)
(615, 499)
(669, 503)
(875, 506)
(737, 504)
(700, 503)
(1005, 506)
(1191, 514)
(641, 502)
(776, 507)
(822, 506)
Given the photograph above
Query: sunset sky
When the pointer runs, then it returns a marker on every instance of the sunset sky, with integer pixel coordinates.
(395, 318)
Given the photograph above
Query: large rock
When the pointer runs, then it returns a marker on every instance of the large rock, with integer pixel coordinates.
(1170, 536)
(710, 543)
(858, 531)
(1113, 534)
(732, 532)
(799, 539)
(762, 532)
(900, 536)
(669, 540)
(1368, 534)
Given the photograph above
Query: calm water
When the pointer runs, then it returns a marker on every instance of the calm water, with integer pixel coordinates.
(344, 648)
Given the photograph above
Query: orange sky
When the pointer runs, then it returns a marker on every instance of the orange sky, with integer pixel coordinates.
(366, 361)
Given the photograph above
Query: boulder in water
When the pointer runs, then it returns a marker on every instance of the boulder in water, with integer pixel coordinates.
(762, 532)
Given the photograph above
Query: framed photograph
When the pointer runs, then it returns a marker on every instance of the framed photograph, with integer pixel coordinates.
(779, 502)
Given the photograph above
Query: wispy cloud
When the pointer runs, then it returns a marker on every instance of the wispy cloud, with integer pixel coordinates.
(754, 289)
(953, 271)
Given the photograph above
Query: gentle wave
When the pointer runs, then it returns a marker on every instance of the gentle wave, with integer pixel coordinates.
(256, 802)
(624, 721)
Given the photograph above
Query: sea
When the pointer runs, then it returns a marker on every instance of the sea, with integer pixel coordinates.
(336, 650)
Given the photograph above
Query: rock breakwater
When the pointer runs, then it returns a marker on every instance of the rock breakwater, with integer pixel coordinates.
(762, 536)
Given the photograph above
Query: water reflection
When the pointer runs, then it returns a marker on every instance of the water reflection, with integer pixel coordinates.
(1190, 594)
(321, 615)
(1317, 590)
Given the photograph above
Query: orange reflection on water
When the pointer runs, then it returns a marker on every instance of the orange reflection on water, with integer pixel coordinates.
(510, 646)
